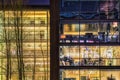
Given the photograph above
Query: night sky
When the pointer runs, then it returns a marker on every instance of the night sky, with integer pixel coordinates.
(38, 2)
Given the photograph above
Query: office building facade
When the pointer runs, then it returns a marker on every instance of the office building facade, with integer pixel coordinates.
(24, 42)
(89, 40)
(82, 42)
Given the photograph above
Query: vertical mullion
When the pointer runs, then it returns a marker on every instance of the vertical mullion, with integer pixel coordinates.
(79, 39)
(33, 75)
(34, 47)
(119, 21)
(99, 41)
(47, 45)
(100, 73)
(54, 40)
(2, 10)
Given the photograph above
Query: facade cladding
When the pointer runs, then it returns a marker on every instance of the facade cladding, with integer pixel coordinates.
(89, 39)
(24, 42)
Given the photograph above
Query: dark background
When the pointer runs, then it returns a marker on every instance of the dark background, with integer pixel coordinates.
(38, 2)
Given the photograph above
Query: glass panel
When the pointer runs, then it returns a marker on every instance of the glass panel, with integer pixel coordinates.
(89, 55)
(109, 9)
(79, 74)
(89, 74)
(110, 56)
(110, 74)
(102, 32)
(89, 38)
(85, 9)
(69, 74)
(69, 55)
(25, 45)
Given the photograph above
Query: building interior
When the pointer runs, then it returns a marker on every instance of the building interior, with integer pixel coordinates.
(25, 44)
(88, 45)
(89, 40)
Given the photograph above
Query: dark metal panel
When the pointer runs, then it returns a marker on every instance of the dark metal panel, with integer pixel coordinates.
(54, 48)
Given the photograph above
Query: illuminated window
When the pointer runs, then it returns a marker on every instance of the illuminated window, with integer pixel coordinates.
(89, 39)
(25, 45)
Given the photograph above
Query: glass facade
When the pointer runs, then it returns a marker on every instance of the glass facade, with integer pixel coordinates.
(90, 74)
(25, 45)
(89, 32)
(89, 56)
(89, 38)
(85, 9)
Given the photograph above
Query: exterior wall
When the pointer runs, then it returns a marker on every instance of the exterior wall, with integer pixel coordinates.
(89, 40)
(25, 45)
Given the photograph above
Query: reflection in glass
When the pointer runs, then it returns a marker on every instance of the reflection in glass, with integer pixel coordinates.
(109, 9)
(25, 45)
(84, 9)
(87, 30)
